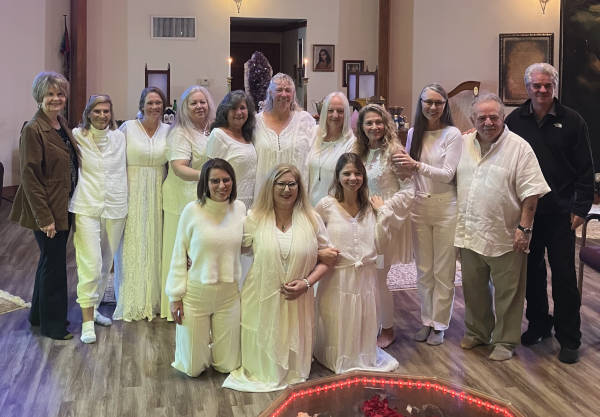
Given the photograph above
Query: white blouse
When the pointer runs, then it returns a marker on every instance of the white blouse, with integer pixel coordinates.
(189, 146)
(211, 236)
(241, 156)
(142, 150)
(102, 187)
(291, 146)
(322, 160)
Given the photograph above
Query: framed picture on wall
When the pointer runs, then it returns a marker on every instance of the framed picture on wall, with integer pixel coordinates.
(323, 58)
(517, 52)
(351, 65)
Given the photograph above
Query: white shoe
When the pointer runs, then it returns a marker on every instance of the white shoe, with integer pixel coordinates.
(88, 334)
(101, 319)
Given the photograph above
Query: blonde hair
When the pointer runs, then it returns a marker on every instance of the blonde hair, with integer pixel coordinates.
(264, 205)
(276, 81)
(389, 142)
(46, 80)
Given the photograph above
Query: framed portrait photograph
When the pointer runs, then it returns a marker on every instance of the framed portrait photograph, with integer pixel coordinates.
(323, 58)
(517, 52)
(351, 65)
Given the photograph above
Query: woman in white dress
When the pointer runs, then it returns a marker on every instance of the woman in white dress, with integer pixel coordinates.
(186, 147)
(433, 149)
(285, 234)
(231, 139)
(346, 312)
(204, 299)
(284, 132)
(100, 206)
(333, 137)
(376, 141)
(138, 262)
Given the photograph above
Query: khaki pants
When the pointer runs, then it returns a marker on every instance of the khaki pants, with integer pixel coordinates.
(507, 274)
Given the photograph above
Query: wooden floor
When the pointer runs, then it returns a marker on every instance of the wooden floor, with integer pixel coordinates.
(128, 373)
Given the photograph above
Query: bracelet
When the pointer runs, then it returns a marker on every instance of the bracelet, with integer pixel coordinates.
(307, 282)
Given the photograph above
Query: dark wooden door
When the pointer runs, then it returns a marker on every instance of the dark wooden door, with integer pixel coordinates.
(241, 52)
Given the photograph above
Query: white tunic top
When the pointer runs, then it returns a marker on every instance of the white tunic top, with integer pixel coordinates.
(211, 236)
(241, 156)
(322, 159)
(398, 196)
(291, 146)
(189, 146)
(102, 187)
(491, 190)
(440, 153)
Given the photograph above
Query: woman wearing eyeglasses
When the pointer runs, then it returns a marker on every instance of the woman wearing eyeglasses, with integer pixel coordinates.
(285, 234)
(433, 150)
(204, 299)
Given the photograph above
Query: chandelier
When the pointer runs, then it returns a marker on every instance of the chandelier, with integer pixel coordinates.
(238, 3)
(542, 4)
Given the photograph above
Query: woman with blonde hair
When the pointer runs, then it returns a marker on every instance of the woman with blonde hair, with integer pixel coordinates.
(284, 132)
(100, 207)
(333, 137)
(433, 149)
(138, 261)
(285, 234)
(186, 149)
(376, 141)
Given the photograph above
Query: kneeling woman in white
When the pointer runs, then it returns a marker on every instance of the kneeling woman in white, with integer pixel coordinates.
(100, 206)
(205, 300)
(277, 299)
(346, 310)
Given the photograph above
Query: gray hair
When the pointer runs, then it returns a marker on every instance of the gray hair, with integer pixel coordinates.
(544, 68)
(485, 97)
(46, 80)
(276, 80)
(182, 118)
(346, 128)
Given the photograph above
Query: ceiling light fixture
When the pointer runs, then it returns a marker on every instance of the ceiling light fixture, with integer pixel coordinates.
(542, 4)
(238, 3)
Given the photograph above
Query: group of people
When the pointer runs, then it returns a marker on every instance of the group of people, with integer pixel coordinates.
(271, 203)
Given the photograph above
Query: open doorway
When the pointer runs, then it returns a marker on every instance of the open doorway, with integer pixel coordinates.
(282, 41)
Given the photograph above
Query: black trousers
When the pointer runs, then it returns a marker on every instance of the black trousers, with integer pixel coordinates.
(49, 301)
(553, 233)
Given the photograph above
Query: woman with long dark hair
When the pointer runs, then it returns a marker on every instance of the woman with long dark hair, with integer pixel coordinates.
(433, 149)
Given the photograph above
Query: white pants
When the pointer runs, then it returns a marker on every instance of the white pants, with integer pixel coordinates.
(96, 240)
(385, 301)
(434, 223)
(211, 313)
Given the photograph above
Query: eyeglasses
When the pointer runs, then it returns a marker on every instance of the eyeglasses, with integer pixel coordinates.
(217, 181)
(281, 185)
(430, 103)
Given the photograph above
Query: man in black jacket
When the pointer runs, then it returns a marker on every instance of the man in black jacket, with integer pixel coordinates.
(559, 138)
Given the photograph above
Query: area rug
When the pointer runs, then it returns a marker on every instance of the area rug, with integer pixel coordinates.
(9, 302)
(404, 277)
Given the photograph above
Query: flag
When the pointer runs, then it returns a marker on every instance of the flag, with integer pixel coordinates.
(65, 50)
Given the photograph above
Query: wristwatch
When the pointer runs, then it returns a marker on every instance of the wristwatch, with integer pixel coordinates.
(526, 230)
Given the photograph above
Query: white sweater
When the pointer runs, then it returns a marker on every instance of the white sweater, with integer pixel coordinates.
(211, 236)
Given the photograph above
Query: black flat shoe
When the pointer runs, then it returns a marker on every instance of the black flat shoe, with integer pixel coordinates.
(533, 336)
(567, 355)
(67, 336)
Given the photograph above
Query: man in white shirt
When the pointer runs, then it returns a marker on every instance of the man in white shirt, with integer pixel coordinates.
(499, 182)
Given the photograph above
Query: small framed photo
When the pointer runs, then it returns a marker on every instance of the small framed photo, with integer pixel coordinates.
(351, 65)
(323, 58)
(517, 52)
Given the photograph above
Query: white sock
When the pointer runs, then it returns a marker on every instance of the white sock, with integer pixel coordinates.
(88, 334)
(101, 319)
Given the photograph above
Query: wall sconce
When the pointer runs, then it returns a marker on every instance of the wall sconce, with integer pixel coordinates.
(238, 3)
(542, 4)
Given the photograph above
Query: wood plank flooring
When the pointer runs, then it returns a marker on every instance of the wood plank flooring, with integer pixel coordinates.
(128, 373)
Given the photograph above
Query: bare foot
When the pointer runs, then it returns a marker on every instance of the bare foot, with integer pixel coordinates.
(385, 338)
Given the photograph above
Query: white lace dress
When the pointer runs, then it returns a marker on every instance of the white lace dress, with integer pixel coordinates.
(241, 156)
(138, 262)
(291, 146)
(398, 196)
(346, 313)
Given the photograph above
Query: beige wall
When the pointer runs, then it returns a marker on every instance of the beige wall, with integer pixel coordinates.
(116, 58)
(30, 33)
(455, 41)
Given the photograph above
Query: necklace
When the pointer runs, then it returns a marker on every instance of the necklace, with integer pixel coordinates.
(283, 225)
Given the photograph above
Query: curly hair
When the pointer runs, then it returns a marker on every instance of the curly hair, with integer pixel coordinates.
(389, 141)
(230, 102)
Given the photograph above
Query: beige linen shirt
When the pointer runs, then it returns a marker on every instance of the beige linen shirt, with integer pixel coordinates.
(491, 190)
